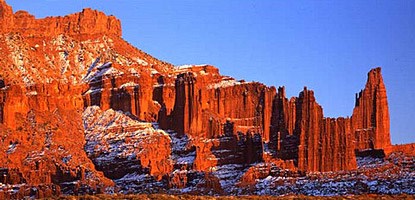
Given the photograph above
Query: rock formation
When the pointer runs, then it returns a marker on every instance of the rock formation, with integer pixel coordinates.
(82, 111)
(87, 22)
(300, 132)
(6, 16)
(408, 149)
(187, 106)
(119, 145)
(370, 120)
(43, 76)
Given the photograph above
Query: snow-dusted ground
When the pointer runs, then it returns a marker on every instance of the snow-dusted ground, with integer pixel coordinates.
(229, 176)
(373, 176)
(116, 143)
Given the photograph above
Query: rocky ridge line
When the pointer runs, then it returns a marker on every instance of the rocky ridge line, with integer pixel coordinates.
(73, 102)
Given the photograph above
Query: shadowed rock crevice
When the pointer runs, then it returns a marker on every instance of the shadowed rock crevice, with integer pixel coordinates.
(2, 99)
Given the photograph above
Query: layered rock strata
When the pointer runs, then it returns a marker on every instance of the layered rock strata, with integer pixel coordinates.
(87, 22)
(76, 99)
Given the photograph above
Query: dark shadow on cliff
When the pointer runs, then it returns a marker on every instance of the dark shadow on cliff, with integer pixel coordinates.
(2, 99)
(239, 148)
(163, 119)
(120, 98)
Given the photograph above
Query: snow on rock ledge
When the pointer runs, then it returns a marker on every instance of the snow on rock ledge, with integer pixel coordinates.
(119, 145)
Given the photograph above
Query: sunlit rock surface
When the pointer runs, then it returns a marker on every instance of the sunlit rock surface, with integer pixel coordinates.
(84, 112)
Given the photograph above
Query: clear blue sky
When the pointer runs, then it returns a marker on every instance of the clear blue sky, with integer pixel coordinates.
(328, 46)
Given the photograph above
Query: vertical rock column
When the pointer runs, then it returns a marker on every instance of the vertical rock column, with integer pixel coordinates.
(282, 123)
(337, 150)
(325, 144)
(186, 113)
(248, 105)
(309, 116)
(370, 120)
(267, 101)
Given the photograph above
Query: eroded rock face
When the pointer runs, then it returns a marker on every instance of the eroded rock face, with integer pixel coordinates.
(76, 99)
(324, 144)
(119, 145)
(44, 66)
(42, 140)
(86, 22)
(300, 132)
(2, 100)
(407, 149)
(339, 140)
(204, 101)
(370, 120)
(6, 16)
(246, 104)
(308, 128)
(296, 128)
(187, 110)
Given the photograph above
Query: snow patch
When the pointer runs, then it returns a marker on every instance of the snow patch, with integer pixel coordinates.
(32, 93)
(225, 83)
(129, 84)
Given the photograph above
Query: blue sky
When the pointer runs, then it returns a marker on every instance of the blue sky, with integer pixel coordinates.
(328, 46)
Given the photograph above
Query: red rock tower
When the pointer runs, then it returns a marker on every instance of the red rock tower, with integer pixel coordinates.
(302, 133)
(370, 120)
(186, 112)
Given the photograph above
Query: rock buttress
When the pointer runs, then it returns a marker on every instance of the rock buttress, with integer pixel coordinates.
(300, 132)
(187, 115)
(370, 120)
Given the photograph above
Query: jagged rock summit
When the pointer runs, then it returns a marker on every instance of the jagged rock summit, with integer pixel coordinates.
(86, 22)
(84, 112)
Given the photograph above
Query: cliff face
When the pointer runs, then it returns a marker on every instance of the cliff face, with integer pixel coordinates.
(187, 106)
(119, 145)
(76, 101)
(300, 132)
(309, 130)
(6, 16)
(296, 129)
(370, 121)
(87, 22)
(47, 68)
(202, 108)
(42, 139)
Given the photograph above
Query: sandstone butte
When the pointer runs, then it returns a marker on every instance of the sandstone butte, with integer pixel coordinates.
(60, 75)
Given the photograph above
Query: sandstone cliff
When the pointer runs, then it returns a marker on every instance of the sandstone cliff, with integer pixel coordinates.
(370, 118)
(78, 101)
(300, 132)
(87, 22)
